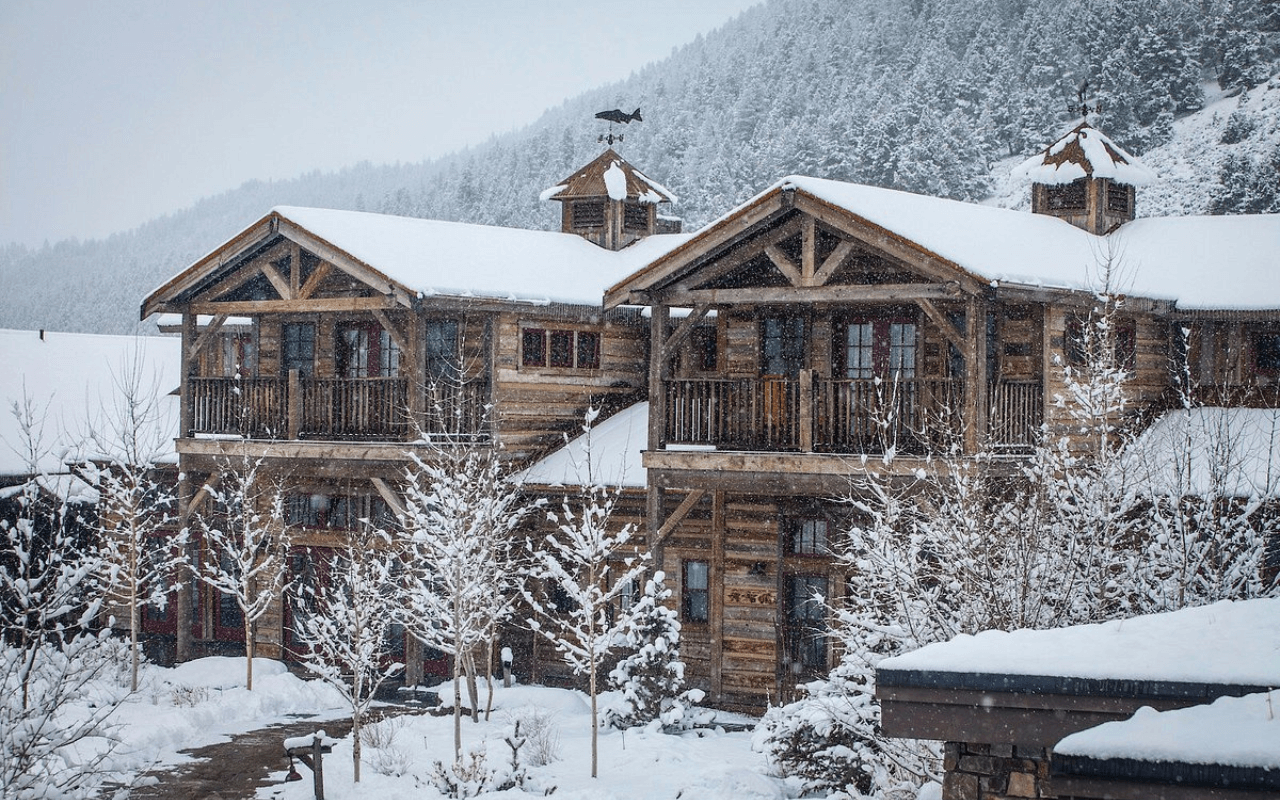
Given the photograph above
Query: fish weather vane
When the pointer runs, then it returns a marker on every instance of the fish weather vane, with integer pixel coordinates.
(620, 117)
(1082, 107)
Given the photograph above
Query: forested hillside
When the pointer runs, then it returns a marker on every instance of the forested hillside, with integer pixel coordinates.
(924, 95)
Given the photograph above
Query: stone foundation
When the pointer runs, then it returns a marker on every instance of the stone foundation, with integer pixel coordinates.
(976, 771)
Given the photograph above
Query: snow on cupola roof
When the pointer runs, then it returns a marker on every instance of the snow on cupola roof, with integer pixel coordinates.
(609, 175)
(1084, 152)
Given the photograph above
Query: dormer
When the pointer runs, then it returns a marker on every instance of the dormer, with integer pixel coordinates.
(1085, 179)
(611, 203)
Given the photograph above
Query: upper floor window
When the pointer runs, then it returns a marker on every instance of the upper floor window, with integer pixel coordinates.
(298, 347)
(704, 343)
(444, 362)
(239, 355)
(365, 350)
(782, 348)
(1266, 352)
(879, 348)
(1088, 340)
(565, 349)
(336, 511)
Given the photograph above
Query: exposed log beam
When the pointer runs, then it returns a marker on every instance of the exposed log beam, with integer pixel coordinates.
(808, 250)
(682, 331)
(295, 306)
(952, 333)
(205, 337)
(882, 292)
(678, 516)
(784, 265)
(277, 280)
(241, 276)
(401, 340)
(314, 280)
(832, 263)
(201, 495)
(744, 252)
(389, 495)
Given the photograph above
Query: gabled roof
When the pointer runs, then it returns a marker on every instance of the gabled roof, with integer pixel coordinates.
(418, 258)
(72, 380)
(1221, 262)
(609, 175)
(1084, 151)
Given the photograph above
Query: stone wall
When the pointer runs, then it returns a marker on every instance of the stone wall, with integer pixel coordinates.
(976, 771)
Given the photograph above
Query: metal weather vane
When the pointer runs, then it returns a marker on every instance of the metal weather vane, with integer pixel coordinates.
(1082, 107)
(617, 116)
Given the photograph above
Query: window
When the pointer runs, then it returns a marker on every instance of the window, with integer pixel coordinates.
(298, 344)
(694, 595)
(782, 346)
(562, 349)
(705, 345)
(1266, 352)
(808, 537)
(443, 355)
(365, 350)
(1086, 338)
(1068, 197)
(635, 217)
(239, 355)
(588, 213)
(879, 348)
(806, 623)
(337, 511)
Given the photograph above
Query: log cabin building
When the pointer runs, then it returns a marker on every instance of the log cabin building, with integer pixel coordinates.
(816, 326)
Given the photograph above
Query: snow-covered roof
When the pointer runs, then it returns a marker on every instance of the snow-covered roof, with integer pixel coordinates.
(465, 260)
(1229, 643)
(1084, 152)
(610, 175)
(1218, 262)
(1231, 731)
(616, 445)
(71, 379)
(1226, 452)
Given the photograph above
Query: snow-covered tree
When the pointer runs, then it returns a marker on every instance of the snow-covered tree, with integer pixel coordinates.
(345, 640)
(461, 511)
(246, 545)
(54, 712)
(136, 505)
(650, 679)
(588, 566)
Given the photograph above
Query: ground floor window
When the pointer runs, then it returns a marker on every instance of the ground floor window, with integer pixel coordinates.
(806, 632)
(694, 593)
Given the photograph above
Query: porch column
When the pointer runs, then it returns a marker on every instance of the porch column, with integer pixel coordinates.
(657, 372)
(975, 388)
(182, 626)
(806, 411)
(295, 403)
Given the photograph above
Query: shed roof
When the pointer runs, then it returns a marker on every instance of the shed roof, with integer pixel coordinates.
(1084, 151)
(615, 448)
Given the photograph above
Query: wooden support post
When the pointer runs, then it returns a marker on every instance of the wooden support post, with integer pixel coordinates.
(188, 349)
(182, 630)
(295, 404)
(716, 599)
(806, 411)
(657, 371)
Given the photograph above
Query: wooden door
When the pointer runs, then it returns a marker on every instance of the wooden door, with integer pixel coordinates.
(782, 357)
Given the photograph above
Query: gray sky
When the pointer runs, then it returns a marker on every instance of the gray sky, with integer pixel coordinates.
(113, 112)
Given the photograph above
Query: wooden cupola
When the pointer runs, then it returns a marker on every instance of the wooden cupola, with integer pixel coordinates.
(611, 203)
(1085, 179)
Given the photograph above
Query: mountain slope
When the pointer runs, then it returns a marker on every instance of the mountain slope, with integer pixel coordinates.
(924, 95)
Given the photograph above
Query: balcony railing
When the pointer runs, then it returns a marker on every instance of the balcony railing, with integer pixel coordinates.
(360, 409)
(911, 416)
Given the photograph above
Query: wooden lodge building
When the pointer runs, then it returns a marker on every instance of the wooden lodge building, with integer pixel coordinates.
(816, 326)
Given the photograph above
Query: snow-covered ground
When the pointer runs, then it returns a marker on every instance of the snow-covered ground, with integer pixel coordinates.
(204, 702)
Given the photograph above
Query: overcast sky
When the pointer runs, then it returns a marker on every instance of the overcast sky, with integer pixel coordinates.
(113, 112)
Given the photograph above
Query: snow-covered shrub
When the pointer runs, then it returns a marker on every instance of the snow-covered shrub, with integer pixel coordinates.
(189, 696)
(650, 680)
(471, 775)
(541, 736)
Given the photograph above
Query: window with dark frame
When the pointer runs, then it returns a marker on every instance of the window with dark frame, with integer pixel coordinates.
(559, 348)
(335, 511)
(705, 345)
(298, 345)
(1124, 336)
(694, 592)
(809, 536)
(444, 360)
(239, 355)
(879, 348)
(806, 622)
(1266, 353)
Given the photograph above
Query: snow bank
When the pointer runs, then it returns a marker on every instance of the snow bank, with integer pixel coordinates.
(1235, 643)
(1232, 731)
(1226, 452)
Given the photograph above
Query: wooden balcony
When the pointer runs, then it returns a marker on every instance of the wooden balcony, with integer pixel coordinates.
(823, 415)
(333, 409)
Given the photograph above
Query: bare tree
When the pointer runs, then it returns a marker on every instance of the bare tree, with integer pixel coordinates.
(578, 561)
(247, 544)
(50, 657)
(345, 635)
